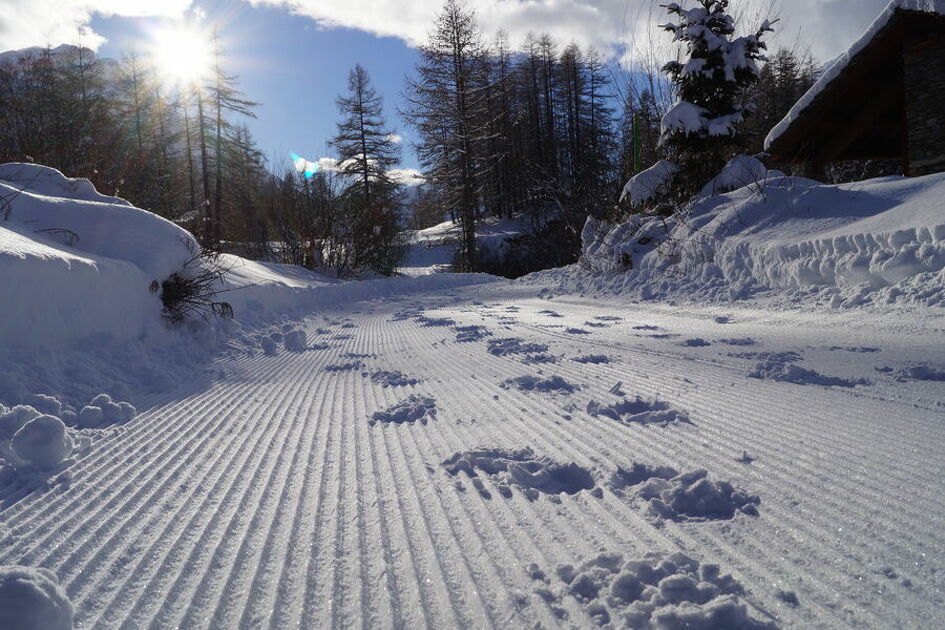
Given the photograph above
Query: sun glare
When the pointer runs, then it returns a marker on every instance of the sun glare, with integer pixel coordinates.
(182, 54)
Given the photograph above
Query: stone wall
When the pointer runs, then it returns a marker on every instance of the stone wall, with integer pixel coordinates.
(925, 105)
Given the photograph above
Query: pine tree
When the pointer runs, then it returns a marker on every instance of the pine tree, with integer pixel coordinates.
(446, 104)
(711, 80)
(366, 154)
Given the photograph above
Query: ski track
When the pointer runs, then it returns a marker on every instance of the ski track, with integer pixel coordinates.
(269, 501)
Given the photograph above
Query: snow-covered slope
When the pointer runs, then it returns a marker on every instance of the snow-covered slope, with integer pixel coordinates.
(879, 240)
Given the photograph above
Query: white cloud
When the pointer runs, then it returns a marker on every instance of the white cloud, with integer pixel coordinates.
(395, 138)
(827, 26)
(406, 176)
(28, 23)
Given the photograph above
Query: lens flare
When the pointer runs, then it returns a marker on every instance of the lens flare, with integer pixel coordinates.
(306, 167)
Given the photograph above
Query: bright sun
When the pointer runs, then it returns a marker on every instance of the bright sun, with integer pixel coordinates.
(183, 54)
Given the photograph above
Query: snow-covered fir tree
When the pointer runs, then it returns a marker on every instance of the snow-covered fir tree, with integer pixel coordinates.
(711, 80)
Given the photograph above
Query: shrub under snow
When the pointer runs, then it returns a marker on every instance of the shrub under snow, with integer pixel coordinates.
(31, 599)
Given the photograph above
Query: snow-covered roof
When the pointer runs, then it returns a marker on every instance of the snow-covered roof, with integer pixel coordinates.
(838, 66)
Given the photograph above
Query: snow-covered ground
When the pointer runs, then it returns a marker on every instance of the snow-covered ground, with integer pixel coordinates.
(433, 250)
(464, 452)
(324, 487)
(789, 239)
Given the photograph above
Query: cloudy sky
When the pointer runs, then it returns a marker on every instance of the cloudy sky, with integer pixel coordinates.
(293, 55)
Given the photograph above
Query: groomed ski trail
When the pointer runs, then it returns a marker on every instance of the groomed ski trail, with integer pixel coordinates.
(281, 494)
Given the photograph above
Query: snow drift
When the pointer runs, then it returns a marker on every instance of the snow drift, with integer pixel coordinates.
(31, 599)
(77, 262)
(880, 240)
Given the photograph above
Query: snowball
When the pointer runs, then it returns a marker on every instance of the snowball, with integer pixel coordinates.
(12, 420)
(42, 442)
(268, 345)
(295, 341)
(45, 404)
(31, 599)
(103, 410)
(91, 417)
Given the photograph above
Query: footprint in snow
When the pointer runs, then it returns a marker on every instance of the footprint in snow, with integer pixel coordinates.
(593, 358)
(639, 411)
(467, 334)
(577, 331)
(412, 409)
(857, 349)
(511, 345)
(696, 342)
(432, 322)
(550, 313)
(660, 590)
(786, 372)
(392, 379)
(609, 318)
(550, 384)
(920, 373)
(344, 367)
(522, 468)
(540, 358)
(646, 327)
(739, 341)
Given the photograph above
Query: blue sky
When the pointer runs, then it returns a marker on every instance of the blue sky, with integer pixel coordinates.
(293, 56)
(293, 67)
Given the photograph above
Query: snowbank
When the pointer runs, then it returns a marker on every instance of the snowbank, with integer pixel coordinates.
(76, 263)
(881, 240)
(31, 599)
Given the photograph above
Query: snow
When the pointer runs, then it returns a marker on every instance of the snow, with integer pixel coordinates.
(840, 63)
(648, 183)
(877, 241)
(31, 599)
(554, 452)
(42, 442)
(658, 591)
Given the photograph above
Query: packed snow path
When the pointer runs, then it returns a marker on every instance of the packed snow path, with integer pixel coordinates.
(440, 467)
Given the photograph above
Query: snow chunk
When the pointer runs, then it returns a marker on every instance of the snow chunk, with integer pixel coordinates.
(46, 404)
(689, 496)
(661, 590)
(639, 411)
(31, 599)
(593, 358)
(295, 341)
(779, 370)
(467, 334)
(649, 183)
(521, 468)
(103, 411)
(393, 379)
(42, 442)
(412, 409)
(549, 384)
(511, 345)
